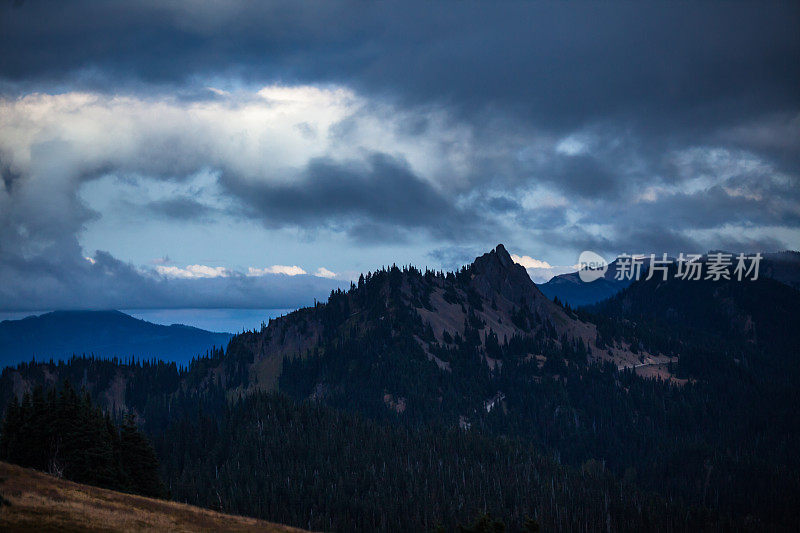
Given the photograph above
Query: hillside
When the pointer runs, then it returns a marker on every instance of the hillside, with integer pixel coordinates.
(750, 322)
(307, 464)
(33, 501)
(493, 298)
(425, 344)
(60, 334)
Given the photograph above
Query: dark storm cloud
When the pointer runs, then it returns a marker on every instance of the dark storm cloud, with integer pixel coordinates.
(367, 233)
(715, 207)
(181, 208)
(502, 204)
(583, 176)
(543, 218)
(560, 64)
(656, 96)
(776, 136)
(655, 237)
(8, 176)
(454, 257)
(380, 193)
(745, 244)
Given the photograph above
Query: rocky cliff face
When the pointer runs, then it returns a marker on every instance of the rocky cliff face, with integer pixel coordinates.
(495, 289)
(495, 274)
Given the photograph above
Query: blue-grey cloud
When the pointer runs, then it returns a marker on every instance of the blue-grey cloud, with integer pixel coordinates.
(181, 208)
(562, 63)
(615, 127)
(379, 191)
(63, 282)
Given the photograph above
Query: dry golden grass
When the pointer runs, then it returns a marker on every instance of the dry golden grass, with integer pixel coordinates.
(39, 502)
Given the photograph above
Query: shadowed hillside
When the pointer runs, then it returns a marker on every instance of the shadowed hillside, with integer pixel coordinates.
(33, 501)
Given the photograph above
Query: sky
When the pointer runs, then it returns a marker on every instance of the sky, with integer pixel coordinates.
(209, 154)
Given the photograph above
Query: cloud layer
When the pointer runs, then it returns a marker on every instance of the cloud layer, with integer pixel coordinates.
(402, 132)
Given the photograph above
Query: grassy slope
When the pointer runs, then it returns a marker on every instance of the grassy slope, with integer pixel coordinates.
(39, 502)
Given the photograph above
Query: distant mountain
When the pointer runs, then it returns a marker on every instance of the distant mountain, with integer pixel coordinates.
(60, 334)
(568, 288)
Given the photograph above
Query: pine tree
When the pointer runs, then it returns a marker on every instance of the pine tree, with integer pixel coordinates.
(67, 435)
(139, 460)
(11, 426)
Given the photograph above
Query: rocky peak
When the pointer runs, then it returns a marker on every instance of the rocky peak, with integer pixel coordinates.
(497, 260)
(503, 256)
(496, 273)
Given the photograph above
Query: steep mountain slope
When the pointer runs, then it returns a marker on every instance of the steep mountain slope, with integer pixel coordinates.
(420, 343)
(60, 334)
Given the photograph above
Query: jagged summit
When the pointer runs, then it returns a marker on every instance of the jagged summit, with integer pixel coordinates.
(495, 273)
(499, 254)
(503, 255)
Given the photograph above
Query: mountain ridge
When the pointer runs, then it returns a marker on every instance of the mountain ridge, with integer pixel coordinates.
(682, 411)
(455, 319)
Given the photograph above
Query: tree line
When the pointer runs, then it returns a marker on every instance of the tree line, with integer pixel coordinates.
(64, 433)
